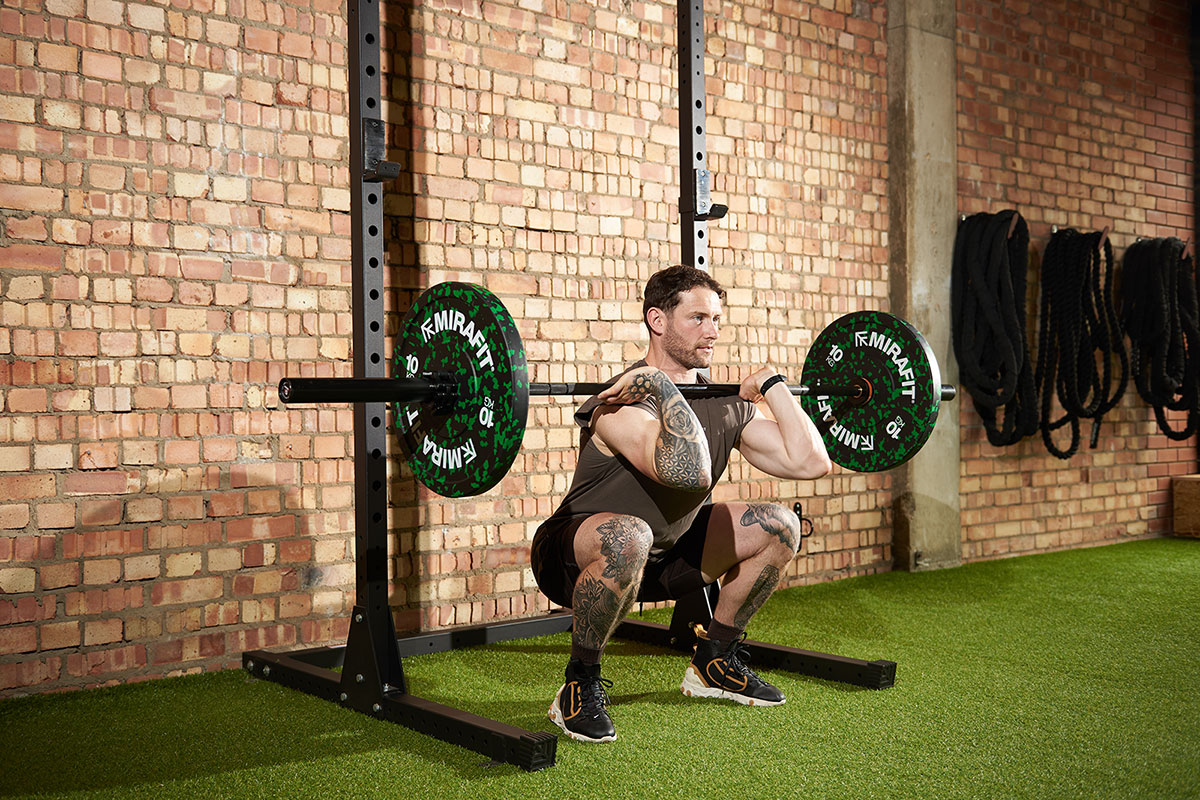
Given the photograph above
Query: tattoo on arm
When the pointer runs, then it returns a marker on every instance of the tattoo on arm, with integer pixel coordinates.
(763, 587)
(773, 520)
(595, 609)
(681, 456)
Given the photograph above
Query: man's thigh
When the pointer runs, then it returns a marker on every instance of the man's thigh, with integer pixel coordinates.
(738, 531)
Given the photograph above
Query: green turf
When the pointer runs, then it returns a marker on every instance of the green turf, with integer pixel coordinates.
(1065, 675)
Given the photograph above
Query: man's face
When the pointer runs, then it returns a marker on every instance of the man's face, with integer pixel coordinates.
(691, 328)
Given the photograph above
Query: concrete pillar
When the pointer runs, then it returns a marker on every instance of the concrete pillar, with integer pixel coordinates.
(924, 214)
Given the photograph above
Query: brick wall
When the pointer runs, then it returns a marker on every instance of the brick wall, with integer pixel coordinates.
(174, 238)
(1079, 117)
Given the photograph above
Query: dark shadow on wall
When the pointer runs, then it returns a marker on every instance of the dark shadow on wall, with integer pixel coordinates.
(405, 280)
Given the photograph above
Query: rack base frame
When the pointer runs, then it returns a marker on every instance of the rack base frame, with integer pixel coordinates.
(371, 677)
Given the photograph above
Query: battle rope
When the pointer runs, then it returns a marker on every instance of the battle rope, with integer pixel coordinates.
(1078, 336)
(987, 306)
(1161, 317)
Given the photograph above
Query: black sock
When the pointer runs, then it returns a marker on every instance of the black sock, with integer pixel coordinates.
(585, 655)
(720, 632)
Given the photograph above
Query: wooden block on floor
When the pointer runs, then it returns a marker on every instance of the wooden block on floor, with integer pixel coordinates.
(1185, 493)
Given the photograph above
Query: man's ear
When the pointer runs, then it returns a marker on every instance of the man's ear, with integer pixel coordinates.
(656, 319)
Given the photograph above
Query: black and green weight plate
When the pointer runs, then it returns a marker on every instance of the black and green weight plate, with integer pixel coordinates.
(462, 334)
(900, 390)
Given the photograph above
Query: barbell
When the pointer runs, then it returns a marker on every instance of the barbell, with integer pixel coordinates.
(463, 398)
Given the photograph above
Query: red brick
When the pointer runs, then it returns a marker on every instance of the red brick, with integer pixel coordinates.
(21, 639)
(31, 257)
(260, 528)
(100, 512)
(59, 635)
(99, 483)
(56, 576)
(27, 487)
(14, 516)
(104, 631)
(28, 401)
(30, 673)
(189, 590)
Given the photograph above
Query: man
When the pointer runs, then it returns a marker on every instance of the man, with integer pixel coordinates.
(635, 523)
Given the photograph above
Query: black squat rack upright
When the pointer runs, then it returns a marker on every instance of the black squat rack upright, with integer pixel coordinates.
(371, 678)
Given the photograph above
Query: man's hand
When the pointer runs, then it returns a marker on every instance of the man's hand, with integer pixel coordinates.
(634, 386)
(751, 388)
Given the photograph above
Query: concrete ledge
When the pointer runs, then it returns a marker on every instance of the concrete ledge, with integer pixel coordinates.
(1185, 499)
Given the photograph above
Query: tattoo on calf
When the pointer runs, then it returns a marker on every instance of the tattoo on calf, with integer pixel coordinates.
(595, 612)
(763, 587)
(774, 521)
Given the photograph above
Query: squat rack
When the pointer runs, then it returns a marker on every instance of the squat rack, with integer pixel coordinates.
(371, 678)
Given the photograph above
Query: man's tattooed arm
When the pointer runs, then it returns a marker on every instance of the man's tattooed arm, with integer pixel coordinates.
(681, 456)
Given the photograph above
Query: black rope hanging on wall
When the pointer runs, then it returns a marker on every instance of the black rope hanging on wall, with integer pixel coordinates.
(1079, 336)
(987, 293)
(1161, 317)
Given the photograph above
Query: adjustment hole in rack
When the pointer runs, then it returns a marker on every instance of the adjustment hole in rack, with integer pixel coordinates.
(376, 422)
(375, 325)
(370, 38)
(374, 358)
(373, 230)
(374, 294)
(699, 234)
(377, 485)
(370, 71)
(372, 198)
(374, 262)
(699, 130)
(370, 102)
(376, 453)
(377, 517)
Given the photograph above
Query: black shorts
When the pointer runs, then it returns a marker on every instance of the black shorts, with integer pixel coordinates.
(670, 576)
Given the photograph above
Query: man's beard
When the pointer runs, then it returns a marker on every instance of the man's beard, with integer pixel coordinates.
(684, 354)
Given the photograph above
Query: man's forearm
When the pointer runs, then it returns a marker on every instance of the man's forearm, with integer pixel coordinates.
(801, 440)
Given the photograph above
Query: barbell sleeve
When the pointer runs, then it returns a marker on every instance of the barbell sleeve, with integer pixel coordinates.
(358, 390)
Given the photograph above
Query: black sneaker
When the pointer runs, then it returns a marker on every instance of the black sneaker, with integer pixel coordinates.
(578, 708)
(718, 669)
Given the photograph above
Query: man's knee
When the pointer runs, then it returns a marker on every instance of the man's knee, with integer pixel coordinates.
(624, 547)
(779, 526)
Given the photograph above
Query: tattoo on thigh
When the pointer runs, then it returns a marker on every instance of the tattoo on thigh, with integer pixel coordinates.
(622, 549)
(773, 520)
(595, 608)
(763, 587)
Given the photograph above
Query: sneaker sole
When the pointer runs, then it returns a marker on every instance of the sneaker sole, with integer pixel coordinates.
(694, 686)
(555, 715)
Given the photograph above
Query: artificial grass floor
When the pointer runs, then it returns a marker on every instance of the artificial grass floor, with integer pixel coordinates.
(1066, 675)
